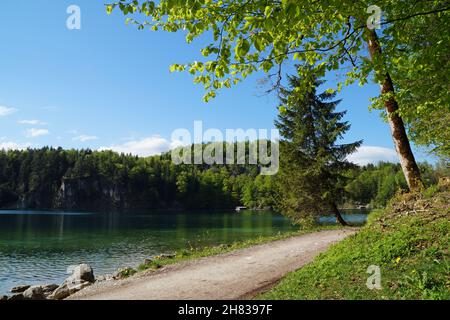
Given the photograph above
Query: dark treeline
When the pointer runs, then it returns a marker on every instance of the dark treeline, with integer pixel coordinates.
(50, 178)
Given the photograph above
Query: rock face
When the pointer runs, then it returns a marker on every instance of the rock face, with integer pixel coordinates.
(90, 193)
(82, 277)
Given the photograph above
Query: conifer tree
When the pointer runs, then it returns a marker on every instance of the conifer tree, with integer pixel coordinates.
(310, 181)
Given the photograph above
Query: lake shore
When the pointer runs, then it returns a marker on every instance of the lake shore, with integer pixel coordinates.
(38, 247)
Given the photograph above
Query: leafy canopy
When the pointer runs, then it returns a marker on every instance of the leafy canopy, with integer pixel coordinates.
(251, 35)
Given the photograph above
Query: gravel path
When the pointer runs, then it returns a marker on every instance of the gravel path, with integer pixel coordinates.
(240, 274)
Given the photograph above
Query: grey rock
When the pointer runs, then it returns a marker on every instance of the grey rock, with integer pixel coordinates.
(34, 293)
(20, 289)
(148, 261)
(82, 277)
(107, 277)
(61, 293)
(3, 298)
(100, 278)
(49, 288)
(67, 289)
(83, 272)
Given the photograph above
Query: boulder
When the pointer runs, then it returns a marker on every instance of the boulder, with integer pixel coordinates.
(67, 289)
(34, 293)
(82, 277)
(40, 292)
(83, 272)
(20, 289)
(3, 298)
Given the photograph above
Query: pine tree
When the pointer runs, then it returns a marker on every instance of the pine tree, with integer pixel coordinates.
(310, 181)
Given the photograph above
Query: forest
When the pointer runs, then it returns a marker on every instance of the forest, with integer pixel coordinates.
(398, 45)
(89, 180)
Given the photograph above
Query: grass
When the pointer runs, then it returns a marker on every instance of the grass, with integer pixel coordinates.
(409, 241)
(196, 253)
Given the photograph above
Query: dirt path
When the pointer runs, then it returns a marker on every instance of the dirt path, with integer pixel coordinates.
(237, 275)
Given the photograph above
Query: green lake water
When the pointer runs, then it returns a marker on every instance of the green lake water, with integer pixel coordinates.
(38, 247)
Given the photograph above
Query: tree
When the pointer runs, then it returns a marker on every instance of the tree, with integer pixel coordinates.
(331, 35)
(423, 89)
(312, 164)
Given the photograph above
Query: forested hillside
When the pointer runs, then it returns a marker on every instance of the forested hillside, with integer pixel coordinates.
(50, 178)
(90, 180)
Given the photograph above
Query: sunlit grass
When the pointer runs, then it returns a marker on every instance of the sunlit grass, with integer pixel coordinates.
(409, 241)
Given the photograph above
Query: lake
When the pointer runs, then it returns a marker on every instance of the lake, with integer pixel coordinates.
(37, 247)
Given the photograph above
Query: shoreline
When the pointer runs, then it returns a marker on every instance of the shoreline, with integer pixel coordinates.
(155, 263)
(195, 277)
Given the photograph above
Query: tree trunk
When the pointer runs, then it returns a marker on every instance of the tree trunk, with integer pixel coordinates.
(338, 215)
(398, 131)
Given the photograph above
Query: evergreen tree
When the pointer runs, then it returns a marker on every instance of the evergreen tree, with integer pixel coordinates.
(310, 181)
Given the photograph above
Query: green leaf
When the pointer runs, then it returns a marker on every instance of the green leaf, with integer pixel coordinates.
(109, 8)
(242, 48)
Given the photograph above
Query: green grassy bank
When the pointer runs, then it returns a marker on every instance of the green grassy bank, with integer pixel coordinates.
(409, 241)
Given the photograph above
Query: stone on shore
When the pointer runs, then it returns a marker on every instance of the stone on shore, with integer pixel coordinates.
(34, 293)
(83, 272)
(49, 288)
(82, 277)
(107, 277)
(20, 289)
(40, 292)
(68, 289)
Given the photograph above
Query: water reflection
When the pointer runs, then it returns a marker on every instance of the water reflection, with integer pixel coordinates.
(37, 247)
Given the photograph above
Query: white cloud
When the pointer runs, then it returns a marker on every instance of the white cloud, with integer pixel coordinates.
(372, 154)
(84, 138)
(5, 111)
(10, 145)
(34, 133)
(144, 147)
(32, 122)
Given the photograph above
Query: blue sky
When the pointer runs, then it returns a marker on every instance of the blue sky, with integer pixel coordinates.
(108, 85)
